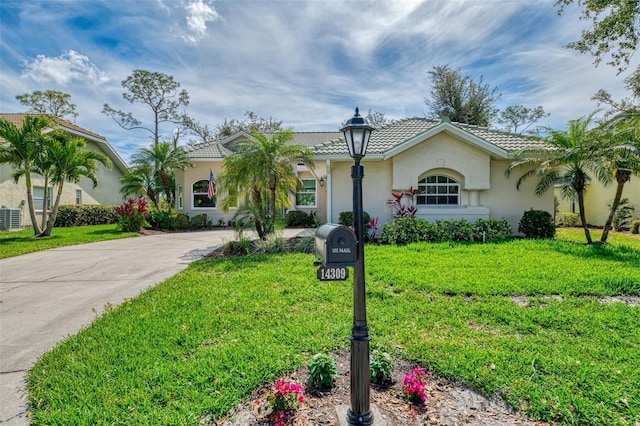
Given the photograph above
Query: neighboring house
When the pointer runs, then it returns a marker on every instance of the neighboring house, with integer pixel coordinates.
(459, 168)
(597, 200)
(14, 196)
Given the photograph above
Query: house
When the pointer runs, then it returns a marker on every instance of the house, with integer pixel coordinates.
(460, 170)
(14, 196)
(597, 200)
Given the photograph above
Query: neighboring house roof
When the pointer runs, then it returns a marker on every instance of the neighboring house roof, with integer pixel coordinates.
(402, 134)
(18, 118)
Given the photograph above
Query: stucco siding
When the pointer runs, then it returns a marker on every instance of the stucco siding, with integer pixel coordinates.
(442, 152)
(504, 200)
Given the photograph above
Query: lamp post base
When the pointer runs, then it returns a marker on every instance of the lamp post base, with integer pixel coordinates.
(378, 420)
(354, 419)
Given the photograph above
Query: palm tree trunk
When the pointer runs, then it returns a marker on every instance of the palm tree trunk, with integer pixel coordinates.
(583, 217)
(45, 206)
(32, 211)
(614, 207)
(53, 215)
(273, 209)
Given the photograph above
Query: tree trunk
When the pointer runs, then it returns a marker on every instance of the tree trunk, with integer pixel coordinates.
(583, 217)
(45, 206)
(53, 215)
(273, 209)
(32, 211)
(620, 177)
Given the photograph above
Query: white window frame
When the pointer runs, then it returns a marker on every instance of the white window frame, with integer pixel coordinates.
(199, 194)
(304, 191)
(438, 187)
(180, 197)
(78, 197)
(37, 200)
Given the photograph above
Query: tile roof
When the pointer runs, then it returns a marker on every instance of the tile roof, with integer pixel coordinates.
(18, 118)
(385, 139)
(391, 136)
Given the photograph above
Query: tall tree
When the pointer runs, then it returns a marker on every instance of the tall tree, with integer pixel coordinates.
(23, 150)
(460, 98)
(618, 148)
(518, 118)
(566, 159)
(264, 164)
(70, 161)
(615, 29)
(252, 122)
(162, 158)
(628, 105)
(158, 91)
(51, 102)
(378, 119)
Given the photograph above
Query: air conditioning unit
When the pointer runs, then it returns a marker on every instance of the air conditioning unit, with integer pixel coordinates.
(9, 219)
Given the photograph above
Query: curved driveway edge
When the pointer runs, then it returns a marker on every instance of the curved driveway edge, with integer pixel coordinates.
(48, 295)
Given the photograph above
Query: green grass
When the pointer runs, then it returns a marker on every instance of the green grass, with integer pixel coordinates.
(614, 238)
(15, 243)
(202, 341)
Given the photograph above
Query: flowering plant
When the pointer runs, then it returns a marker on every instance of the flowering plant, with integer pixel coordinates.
(285, 398)
(413, 386)
(131, 214)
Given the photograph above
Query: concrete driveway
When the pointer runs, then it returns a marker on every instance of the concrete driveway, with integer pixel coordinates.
(46, 296)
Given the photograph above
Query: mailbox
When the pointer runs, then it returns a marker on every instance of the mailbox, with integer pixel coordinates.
(336, 245)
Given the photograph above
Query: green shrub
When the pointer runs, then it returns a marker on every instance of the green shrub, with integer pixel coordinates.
(635, 227)
(405, 230)
(346, 219)
(199, 221)
(322, 372)
(299, 218)
(570, 219)
(168, 220)
(306, 244)
(623, 215)
(381, 368)
(537, 224)
(85, 214)
(273, 244)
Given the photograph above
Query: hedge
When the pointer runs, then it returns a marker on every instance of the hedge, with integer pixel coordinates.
(85, 214)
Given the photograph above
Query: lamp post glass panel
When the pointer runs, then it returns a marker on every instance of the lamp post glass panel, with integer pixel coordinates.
(357, 132)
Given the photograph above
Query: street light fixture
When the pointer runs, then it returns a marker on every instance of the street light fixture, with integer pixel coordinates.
(357, 132)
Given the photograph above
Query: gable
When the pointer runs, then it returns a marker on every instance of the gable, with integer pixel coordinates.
(442, 153)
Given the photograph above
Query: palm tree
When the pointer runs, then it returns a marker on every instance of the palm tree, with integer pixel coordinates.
(23, 150)
(163, 158)
(565, 159)
(139, 180)
(618, 148)
(70, 161)
(265, 164)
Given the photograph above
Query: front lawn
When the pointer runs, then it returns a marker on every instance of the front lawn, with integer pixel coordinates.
(15, 243)
(520, 319)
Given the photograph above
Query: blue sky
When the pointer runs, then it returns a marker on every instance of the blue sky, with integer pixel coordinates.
(308, 63)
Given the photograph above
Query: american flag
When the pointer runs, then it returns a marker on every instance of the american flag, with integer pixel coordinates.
(212, 186)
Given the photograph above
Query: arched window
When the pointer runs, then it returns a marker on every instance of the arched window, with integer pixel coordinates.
(200, 196)
(438, 190)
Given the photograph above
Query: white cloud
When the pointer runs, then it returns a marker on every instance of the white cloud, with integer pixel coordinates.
(65, 69)
(199, 13)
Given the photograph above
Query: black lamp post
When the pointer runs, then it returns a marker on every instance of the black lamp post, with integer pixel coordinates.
(357, 132)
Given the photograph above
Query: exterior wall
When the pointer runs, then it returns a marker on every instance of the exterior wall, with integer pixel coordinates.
(107, 191)
(376, 189)
(191, 175)
(201, 171)
(505, 201)
(598, 197)
(500, 200)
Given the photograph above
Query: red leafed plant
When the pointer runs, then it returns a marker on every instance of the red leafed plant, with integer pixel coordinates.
(131, 214)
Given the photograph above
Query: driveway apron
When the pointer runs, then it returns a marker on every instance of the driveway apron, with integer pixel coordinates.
(49, 295)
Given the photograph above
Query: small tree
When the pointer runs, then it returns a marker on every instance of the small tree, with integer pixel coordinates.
(50, 102)
(518, 118)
